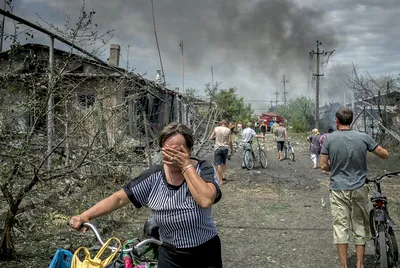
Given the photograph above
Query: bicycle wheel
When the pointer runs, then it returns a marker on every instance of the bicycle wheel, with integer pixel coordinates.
(284, 152)
(383, 256)
(372, 224)
(291, 154)
(393, 248)
(248, 159)
(263, 158)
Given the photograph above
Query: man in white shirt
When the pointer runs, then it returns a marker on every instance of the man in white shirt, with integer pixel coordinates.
(247, 137)
(223, 140)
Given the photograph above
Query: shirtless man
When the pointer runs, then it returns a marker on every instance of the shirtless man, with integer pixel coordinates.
(223, 141)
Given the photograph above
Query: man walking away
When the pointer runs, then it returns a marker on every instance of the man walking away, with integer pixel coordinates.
(347, 150)
(223, 140)
(315, 147)
(275, 126)
(281, 136)
(263, 129)
(247, 138)
(256, 126)
(270, 126)
(321, 142)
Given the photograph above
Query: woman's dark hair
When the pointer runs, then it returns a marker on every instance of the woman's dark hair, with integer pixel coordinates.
(173, 129)
(344, 116)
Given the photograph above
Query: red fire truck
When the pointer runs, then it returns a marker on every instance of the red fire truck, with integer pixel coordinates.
(268, 117)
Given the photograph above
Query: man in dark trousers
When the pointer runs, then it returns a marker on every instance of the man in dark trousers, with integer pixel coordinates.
(347, 150)
(281, 137)
(223, 141)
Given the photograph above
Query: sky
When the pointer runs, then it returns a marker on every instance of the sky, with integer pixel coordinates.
(250, 44)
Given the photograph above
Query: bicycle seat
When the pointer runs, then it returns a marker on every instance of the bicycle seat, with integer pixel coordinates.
(378, 197)
(150, 229)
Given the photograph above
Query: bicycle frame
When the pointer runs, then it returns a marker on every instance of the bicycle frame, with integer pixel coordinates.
(286, 149)
(381, 225)
(379, 201)
(137, 250)
(252, 155)
(137, 246)
(256, 149)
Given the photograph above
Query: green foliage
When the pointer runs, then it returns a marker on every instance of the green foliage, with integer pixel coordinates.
(299, 112)
(233, 107)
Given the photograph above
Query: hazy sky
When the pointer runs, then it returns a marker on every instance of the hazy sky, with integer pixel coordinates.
(250, 44)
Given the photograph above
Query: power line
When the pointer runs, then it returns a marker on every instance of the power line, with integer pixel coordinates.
(255, 101)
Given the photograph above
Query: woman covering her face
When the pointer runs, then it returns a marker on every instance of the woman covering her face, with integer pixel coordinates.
(180, 193)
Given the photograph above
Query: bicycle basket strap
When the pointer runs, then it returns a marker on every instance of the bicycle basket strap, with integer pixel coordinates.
(76, 262)
(110, 258)
(96, 262)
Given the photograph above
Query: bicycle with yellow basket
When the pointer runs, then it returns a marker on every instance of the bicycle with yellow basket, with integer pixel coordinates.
(131, 254)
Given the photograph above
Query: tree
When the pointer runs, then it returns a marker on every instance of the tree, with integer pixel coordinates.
(24, 110)
(367, 87)
(233, 107)
(299, 112)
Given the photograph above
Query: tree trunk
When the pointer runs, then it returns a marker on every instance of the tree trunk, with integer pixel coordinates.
(7, 250)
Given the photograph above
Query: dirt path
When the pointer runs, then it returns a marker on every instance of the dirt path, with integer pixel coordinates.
(279, 216)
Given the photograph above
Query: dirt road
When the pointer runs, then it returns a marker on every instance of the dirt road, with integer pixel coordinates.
(280, 216)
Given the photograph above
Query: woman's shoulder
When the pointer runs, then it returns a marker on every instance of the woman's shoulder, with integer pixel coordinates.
(155, 169)
(201, 162)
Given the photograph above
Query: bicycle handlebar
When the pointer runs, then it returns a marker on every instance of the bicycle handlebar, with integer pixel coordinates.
(388, 174)
(140, 244)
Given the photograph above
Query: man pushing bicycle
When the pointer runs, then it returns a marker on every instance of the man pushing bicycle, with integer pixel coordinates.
(347, 150)
(247, 138)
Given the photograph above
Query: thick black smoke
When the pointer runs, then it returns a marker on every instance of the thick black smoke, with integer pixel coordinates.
(267, 38)
(251, 44)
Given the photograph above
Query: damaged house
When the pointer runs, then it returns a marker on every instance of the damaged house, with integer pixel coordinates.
(373, 115)
(116, 104)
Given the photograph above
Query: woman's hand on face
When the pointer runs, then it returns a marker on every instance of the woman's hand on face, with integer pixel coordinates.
(77, 221)
(179, 158)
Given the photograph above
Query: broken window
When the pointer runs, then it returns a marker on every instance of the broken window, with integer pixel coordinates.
(85, 100)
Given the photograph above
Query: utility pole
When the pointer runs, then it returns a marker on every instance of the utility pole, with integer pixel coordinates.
(212, 78)
(2, 27)
(284, 81)
(271, 103)
(317, 82)
(158, 46)
(127, 59)
(276, 97)
(183, 68)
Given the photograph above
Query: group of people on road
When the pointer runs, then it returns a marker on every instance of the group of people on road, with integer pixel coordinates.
(182, 190)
